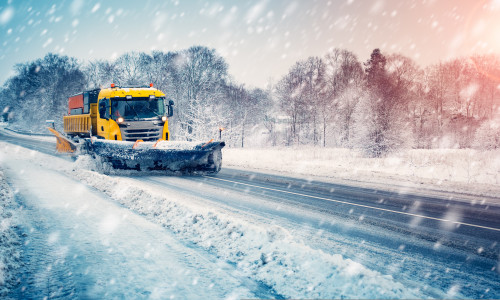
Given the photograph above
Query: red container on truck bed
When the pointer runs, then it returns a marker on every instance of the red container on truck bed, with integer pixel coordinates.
(75, 103)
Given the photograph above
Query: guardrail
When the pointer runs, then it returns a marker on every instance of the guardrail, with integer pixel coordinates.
(27, 132)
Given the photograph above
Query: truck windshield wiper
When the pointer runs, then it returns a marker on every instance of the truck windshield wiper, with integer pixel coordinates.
(133, 109)
(151, 110)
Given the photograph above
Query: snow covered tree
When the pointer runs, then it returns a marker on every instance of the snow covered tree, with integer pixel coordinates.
(129, 69)
(300, 94)
(487, 136)
(382, 126)
(488, 76)
(92, 74)
(437, 90)
(40, 89)
(202, 74)
(161, 69)
(271, 113)
(244, 110)
(346, 104)
(292, 101)
(343, 88)
(236, 114)
(101, 73)
(313, 89)
(259, 105)
(420, 110)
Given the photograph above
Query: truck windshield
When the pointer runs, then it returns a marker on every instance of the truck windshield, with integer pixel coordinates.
(137, 108)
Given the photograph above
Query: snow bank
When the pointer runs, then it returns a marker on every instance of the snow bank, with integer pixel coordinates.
(458, 170)
(9, 239)
(266, 253)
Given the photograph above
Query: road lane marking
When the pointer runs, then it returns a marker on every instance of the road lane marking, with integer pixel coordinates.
(359, 205)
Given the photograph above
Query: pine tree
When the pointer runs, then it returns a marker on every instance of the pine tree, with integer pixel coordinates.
(381, 124)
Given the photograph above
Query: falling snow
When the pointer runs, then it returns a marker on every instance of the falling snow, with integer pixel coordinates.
(398, 96)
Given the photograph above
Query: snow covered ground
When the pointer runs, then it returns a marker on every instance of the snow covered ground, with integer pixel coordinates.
(457, 170)
(9, 238)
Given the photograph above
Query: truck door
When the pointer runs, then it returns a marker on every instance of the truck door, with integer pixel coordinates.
(103, 120)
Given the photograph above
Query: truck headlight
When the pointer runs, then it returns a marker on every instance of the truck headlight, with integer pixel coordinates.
(164, 119)
(119, 120)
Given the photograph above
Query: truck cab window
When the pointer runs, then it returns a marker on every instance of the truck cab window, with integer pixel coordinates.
(137, 108)
(103, 109)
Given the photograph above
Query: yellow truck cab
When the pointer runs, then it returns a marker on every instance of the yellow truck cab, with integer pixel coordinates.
(119, 113)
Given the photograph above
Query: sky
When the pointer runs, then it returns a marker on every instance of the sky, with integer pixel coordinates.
(259, 39)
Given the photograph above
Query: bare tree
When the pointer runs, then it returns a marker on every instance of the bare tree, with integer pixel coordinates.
(343, 86)
(487, 69)
(202, 75)
(109, 73)
(314, 70)
(129, 68)
(437, 90)
(92, 74)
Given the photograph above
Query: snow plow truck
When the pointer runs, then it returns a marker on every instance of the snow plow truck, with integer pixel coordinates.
(128, 128)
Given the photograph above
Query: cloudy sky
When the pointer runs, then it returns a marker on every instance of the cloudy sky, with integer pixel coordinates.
(260, 39)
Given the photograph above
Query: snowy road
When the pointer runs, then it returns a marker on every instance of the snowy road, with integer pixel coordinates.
(244, 234)
(433, 253)
(444, 217)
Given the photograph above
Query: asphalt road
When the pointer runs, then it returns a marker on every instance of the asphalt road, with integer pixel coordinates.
(450, 218)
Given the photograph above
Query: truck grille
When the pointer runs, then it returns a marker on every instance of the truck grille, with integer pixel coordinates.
(133, 135)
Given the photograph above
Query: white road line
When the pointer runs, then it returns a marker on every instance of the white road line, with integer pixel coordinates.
(359, 205)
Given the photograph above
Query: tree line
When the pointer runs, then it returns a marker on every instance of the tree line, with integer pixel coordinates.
(389, 103)
(381, 105)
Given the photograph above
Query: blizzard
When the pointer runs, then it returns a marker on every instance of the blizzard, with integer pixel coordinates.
(359, 144)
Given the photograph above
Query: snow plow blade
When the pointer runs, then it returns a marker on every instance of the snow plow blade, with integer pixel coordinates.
(64, 145)
(170, 156)
(179, 157)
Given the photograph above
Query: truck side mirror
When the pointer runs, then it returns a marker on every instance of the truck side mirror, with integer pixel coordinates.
(103, 110)
(170, 108)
